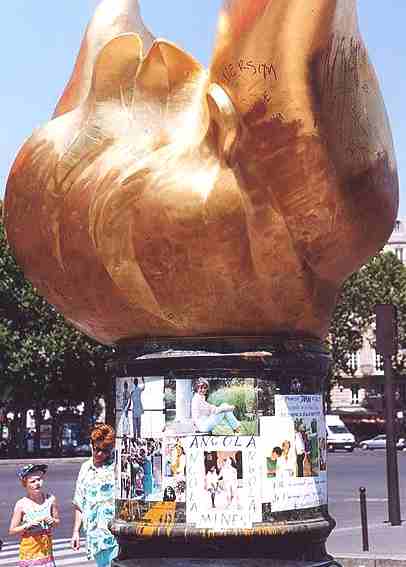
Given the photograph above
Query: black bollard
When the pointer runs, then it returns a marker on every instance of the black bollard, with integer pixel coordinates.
(364, 518)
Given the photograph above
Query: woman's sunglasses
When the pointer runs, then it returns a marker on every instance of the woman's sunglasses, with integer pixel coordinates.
(106, 451)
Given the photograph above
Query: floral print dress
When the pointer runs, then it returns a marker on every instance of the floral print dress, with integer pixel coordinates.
(94, 496)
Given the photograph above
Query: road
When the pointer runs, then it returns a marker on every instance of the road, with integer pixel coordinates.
(60, 481)
(347, 472)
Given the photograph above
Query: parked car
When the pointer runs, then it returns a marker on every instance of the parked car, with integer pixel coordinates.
(83, 450)
(379, 442)
(338, 435)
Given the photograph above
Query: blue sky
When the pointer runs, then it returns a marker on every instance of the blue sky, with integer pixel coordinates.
(40, 39)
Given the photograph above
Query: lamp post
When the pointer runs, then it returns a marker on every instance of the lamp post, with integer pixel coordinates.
(386, 345)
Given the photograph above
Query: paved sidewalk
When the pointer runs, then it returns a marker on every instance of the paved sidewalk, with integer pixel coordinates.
(53, 461)
(387, 543)
(370, 561)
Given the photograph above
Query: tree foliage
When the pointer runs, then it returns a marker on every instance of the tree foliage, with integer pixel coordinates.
(382, 280)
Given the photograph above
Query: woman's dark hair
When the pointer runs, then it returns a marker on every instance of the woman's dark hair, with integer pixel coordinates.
(169, 494)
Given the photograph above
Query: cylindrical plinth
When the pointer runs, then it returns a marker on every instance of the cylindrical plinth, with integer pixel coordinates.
(221, 449)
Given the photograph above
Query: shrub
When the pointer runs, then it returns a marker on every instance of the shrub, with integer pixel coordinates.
(242, 397)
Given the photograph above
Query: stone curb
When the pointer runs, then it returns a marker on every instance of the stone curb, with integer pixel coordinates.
(370, 561)
(353, 561)
(53, 461)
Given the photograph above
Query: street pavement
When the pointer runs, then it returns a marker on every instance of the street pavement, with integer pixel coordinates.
(63, 553)
(347, 473)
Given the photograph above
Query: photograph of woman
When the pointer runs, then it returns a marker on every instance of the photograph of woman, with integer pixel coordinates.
(137, 407)
(223, 480)
(300, 447)
(125, 477)
(175, 467)
(178, 461)
(212, 484)
(228, 476)
(286, 465)
(206, 416)
(123, 428)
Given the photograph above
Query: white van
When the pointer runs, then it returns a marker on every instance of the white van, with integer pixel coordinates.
(338, 436)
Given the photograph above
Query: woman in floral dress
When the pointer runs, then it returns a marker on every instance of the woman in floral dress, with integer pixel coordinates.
(94, 499)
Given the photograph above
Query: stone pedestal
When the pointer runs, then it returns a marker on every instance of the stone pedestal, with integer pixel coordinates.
(198, 562)
(251, 484)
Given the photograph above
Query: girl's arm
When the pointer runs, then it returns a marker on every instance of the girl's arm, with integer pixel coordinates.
(54, 520)
(17, 526)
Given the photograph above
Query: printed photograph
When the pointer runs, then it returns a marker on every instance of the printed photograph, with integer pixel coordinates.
(307, 447)
(306, 412)
(266, 391)
(211, 407)
(140, 469)
(223, 483)
(279, 465)
(294, 455)
(174, 470)
(140, 407)
(280, 454)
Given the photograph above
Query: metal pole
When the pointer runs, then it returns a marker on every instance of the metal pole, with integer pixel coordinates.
(364, 518)
(391, 454)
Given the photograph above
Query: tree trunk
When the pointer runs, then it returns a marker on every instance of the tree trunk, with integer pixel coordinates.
(12, 425)
(21, 431)
(38, 417)
(107, 393)
(56, 432)
(110, 410)
(89, 417)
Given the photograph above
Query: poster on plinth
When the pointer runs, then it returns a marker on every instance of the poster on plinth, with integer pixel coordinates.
(222, 488)
(294, 454)
(210, 407)
(140, 407)
(174, 469)
(139, 470)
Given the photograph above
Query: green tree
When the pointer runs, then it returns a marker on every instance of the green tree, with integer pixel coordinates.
(382, 280)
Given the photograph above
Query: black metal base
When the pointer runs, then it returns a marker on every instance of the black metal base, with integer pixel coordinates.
(294, 365)
(202, 562)
(300, 540)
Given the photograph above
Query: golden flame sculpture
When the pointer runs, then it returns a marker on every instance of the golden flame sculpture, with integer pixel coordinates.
(166, 200)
